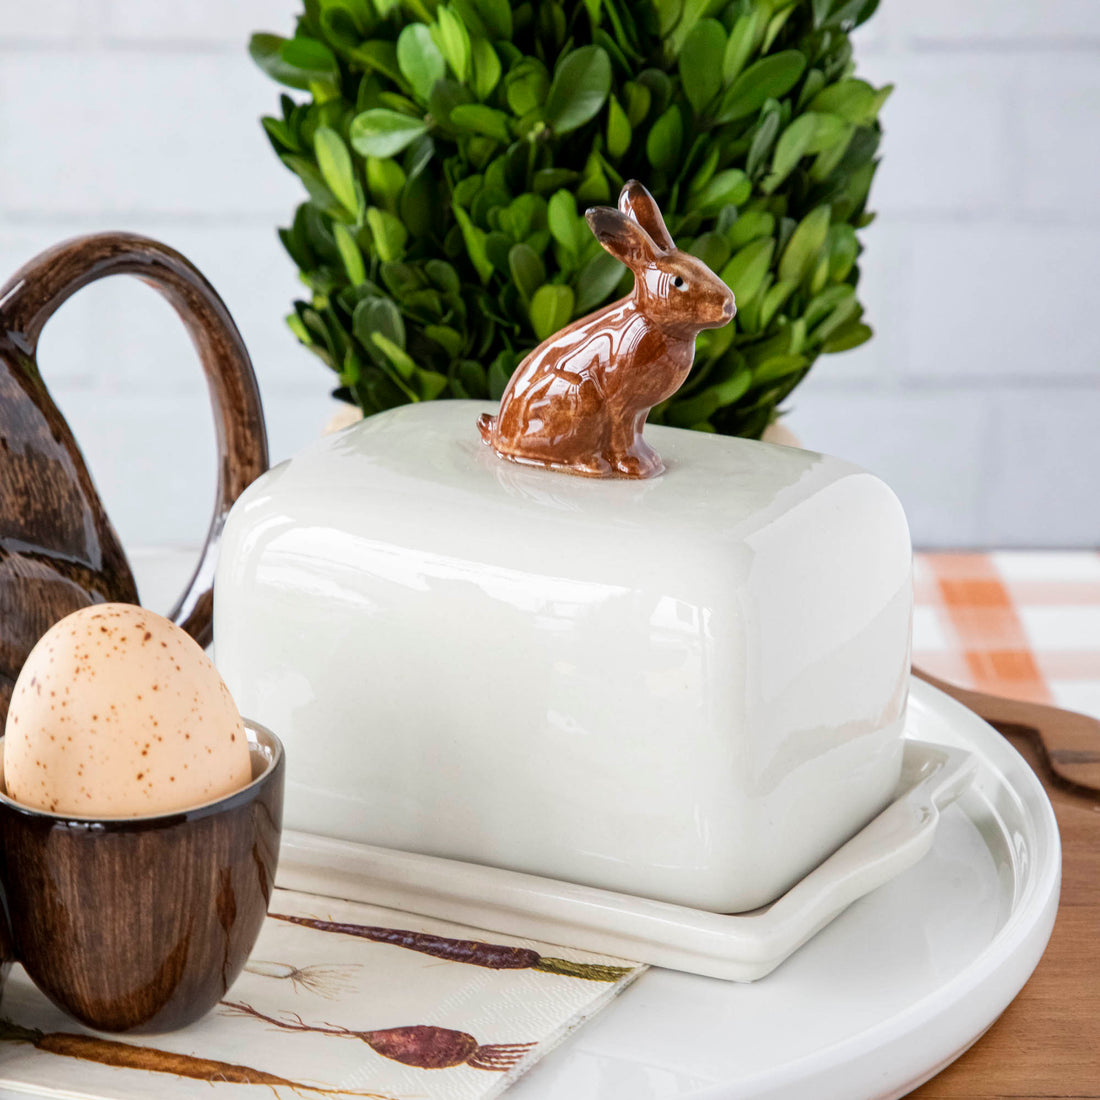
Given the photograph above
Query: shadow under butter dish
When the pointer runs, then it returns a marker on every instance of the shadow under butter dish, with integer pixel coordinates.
(143, 923)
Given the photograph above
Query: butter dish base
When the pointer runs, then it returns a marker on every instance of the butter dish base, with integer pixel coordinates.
(740, 947)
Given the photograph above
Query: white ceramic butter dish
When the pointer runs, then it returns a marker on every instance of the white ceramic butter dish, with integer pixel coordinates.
(689, 688)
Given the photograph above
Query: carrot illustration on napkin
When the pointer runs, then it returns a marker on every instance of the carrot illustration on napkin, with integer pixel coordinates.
(111, 1052)
(473, 952)
(419, 1045)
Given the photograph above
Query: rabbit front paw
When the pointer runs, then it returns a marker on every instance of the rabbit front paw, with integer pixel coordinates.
(639, 465)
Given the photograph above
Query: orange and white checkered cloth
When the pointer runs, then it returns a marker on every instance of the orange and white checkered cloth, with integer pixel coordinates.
(1020, 624)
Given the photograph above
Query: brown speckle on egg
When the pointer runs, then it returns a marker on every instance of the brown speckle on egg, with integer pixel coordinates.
(98, 727)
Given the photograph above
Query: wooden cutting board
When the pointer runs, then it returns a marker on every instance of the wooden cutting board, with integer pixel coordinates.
(1047, 1042)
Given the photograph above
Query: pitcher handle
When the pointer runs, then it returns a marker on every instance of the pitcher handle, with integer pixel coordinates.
(38, 288)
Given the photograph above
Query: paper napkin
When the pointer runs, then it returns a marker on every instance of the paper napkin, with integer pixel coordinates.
(338, 999)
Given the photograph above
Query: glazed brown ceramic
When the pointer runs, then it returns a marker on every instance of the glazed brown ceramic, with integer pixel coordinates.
(579, 401)
(58, 551)
(142, 924)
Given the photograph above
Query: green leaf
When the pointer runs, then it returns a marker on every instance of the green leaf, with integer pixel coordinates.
(487, 67)
(526, 86)
(746, 271)
(419, 59)
(381, 132)
(690, 14)
(400, 358)
(733, 388)
(596, 280)
(749, 226)
(474, 239)
(662, 146)
(527, 270)
(846, 310)
(388, 232)
(668, 15)
(762, 140)
(829, 131)
(843, 250)
(774, 300)
(593, 185)
(453, 40)
(550, 310)
(497, 15)
(334, 160)
(579, 89)
(499, 376)
(713, 249)
(378, 315)
(701, 63)
(449, 339)
(769, 78)
(792, 146)
(687, 412)
(805, 244)
(778, 366)
(385, 181)
(848, 337)
(430, 384)
(854, 100)
(418, 206)
(638, 99)
(443, 276)
(730, 186)
(619, 131)
(281, 136)
(295, 62)
(318, 190)
(350, 254)
(567, 227)
(812, 83)
(482, 120)
(775, 25)
(742, 41)
(446, 95)
(380, 56)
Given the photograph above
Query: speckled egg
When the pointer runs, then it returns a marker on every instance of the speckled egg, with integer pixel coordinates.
(119, 713)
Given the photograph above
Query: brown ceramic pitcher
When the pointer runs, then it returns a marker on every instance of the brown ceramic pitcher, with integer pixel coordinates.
(58, 550)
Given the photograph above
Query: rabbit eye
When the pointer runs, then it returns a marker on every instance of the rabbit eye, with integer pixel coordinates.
(678, 283)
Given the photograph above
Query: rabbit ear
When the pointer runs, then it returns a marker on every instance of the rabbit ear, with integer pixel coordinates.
(636, 202)
(623, 237)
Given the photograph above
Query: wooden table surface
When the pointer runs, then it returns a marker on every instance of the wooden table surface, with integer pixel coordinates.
(1047, 1043)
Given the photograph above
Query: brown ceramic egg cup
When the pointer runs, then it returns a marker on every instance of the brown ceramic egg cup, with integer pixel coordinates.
(142, 923)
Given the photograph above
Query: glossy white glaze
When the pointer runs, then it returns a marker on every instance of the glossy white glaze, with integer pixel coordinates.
(690, 688)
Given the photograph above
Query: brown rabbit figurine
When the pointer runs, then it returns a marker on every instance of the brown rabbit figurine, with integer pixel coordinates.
(579, 401)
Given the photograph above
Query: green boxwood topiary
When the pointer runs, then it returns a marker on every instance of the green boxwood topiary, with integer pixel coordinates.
(449, 150)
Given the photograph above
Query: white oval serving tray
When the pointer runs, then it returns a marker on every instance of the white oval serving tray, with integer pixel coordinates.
(893, 990)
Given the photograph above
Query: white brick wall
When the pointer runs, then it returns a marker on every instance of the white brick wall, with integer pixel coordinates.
(978, 400)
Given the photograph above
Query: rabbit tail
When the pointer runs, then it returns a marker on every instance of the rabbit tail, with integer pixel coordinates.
(485, 425)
